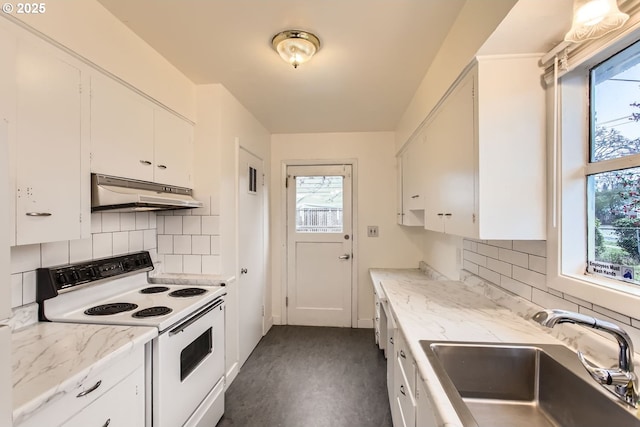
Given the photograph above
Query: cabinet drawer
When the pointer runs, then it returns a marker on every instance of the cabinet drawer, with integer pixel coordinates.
(122, 406)
(85, 391)
(406, 403)
(406, 362)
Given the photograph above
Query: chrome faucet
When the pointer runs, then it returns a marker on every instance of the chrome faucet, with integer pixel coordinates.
(623, 379)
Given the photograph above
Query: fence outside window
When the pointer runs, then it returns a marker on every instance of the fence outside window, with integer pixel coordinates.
(319, 220)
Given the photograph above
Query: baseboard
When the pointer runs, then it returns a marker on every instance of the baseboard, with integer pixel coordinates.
(365, 323)
(268, 323)
(277, 320)
(231, 375)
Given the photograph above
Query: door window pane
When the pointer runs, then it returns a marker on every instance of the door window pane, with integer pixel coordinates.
(319, 204)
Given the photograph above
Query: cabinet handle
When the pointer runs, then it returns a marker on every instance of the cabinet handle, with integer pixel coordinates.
(106, 424)
(440, 214)
(415, 196)
(391, 340)
(402, 390)
(404, 356)
(145, 162)
(38, 214)
(448, 214)
(162, 167)
(84, 393)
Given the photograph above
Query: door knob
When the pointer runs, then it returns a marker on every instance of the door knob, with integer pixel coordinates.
(243, 271)
(345, 256)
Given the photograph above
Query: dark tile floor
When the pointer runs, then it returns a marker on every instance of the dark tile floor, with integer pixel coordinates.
(301, 376)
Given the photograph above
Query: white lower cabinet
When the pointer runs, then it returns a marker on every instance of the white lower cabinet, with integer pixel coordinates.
(112, 395)
(424, 412)
(404, 385)
(122, 406)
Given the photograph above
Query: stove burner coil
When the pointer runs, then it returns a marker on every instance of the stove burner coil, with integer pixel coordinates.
(154, 290)
(152, 312)
(112, 308)
(187, 292)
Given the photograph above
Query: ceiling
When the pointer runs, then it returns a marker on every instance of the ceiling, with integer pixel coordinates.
(374, 54)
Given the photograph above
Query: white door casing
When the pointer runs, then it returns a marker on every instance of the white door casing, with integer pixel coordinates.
(251, 274)
(319, 245)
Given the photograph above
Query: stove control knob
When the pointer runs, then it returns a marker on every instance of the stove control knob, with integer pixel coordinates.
(61, 279)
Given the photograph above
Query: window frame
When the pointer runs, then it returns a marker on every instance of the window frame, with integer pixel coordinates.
(569, 166)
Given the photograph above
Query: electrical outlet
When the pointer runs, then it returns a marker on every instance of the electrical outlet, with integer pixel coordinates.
(372, 231)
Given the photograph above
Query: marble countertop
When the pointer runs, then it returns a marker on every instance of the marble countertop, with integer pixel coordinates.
(50, 358)
(448, 310)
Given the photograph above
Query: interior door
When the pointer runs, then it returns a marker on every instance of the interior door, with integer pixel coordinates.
(319, 245)
(251, 278)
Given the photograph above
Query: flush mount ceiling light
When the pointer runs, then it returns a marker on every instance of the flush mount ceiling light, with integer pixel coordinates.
(295, 46)
(593, 19)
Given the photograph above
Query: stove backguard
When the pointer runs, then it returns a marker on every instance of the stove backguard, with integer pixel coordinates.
(51, 281)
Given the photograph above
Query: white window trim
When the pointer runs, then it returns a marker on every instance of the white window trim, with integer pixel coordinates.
(566, 230)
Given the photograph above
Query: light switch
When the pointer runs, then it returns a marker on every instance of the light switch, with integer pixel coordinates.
(372, 231)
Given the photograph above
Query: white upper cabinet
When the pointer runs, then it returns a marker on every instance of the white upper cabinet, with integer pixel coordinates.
(450, 162)
(50, 190)
(173, 152)
(133, 138)
(121, 131)
(486, 153)
(412, 175)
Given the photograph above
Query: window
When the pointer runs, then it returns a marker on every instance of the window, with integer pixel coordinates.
(613, 187)
(594, 175)
(319, 204)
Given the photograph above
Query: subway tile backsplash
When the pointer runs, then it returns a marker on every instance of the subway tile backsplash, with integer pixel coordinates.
(112, 234)
(520, 268)
(189, 240)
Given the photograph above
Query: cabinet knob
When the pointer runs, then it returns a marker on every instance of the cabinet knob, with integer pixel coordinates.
(162, 166)
(145, 162)
(38, 214)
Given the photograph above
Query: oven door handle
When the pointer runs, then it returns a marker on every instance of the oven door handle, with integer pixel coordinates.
(181, 327)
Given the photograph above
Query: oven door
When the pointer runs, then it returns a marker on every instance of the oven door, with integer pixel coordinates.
(188, 361)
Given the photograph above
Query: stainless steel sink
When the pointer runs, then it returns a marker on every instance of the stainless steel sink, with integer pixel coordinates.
(523, 385)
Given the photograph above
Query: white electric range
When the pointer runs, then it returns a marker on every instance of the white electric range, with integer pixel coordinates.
(187, 357)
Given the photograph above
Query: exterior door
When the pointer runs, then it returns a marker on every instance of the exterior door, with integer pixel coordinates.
(319, 245)
(251, 277)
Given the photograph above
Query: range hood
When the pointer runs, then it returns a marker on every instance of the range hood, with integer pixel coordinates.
(113, 194)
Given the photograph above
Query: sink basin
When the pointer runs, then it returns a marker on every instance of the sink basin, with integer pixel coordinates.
(523, 385)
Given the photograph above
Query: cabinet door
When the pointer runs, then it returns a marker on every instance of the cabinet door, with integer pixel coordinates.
(48, 147)
(459, 194)
(425, 416)
(123, 405)
(451, 166)
(412, 183)
(436, 154)
(121, 131)
(173, 145)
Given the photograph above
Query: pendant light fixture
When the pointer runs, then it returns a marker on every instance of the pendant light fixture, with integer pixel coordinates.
(295, 46)
(593, 19)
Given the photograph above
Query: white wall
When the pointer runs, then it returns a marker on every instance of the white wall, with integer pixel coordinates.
(475, 23)
(376, 164)
(90, 30)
